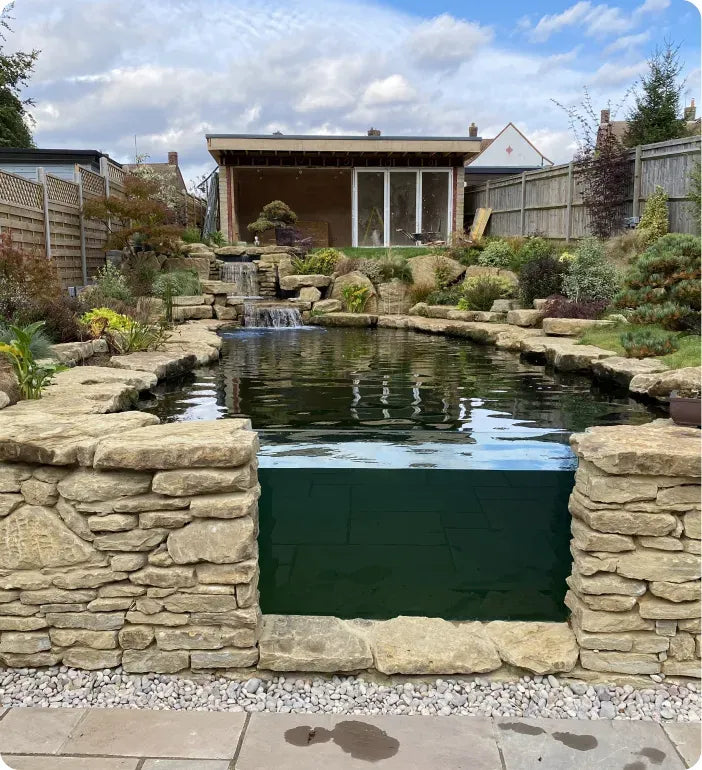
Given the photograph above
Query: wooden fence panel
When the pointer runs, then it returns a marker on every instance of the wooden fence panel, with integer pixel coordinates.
(544, 194)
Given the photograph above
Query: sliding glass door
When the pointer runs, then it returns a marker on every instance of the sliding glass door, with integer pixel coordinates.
(391, 206)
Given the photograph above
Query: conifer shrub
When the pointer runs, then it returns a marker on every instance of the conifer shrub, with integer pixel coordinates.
(654, 220)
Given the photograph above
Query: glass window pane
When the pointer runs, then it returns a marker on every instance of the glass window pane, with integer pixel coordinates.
(371, 197)
(435, 194)
(403, 207)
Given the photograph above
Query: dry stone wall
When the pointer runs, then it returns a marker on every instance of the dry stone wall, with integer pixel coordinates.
(142, 553)
(635, 585)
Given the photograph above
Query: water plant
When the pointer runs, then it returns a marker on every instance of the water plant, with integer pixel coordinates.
(20, 344)
(355, 297)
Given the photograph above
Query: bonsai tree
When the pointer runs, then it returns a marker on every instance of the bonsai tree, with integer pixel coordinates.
(277, 216)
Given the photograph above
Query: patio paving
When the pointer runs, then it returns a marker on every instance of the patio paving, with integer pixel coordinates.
(122, 739)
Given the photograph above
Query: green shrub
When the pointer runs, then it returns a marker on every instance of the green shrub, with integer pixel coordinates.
(322, 262)
(180, 283)
(663, 285)
(590, 277)
(480, 291)
(138, 337)
(192, 235)
(371, 269)
(101, 319)
(654, 220)
(216, 239)
(22, 342)
(496, 254)
(469, 256)
(540, 278)
(355, 297)
(394, 266)
(643, 343)
(535, 247)
(419, 292)
(450, 296)
(111, 282)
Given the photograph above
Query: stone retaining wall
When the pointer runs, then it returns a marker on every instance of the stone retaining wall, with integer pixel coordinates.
(130, 546)
(635, 585)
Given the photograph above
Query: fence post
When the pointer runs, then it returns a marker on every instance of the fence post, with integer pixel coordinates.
(105, 174)
(487, 194)
(522, 213)
(83, 254)
(569, 204)
(41, 177)
(636, 202)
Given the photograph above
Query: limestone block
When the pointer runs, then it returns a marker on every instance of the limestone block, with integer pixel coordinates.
(228, 574)
(691, 546)
(587, 539)
(676, 592)
(203, 638)
(121, 589)
(575, 358)
(543, 648)
(164, 519)
(12, 474)
(608, 602)
(168, 577)
(203, 481)
(622, 370)
(309, 294)
(682, 668)
(570, 327)
(225, 312)
(153, 660)
(57, 596)
(8, 503)
(75, 521)
(87, 578)
(134, 540)
(247, 617)
(149, 502)
(92, 621)
(661, 543)
(37, 492)
(224, 541)
(88, 485)
(620, 662)
(136, 637)
(660, 386)
(127, 562)
(659, 566)
(160, 558)
(113, 522)
(13, 623)
(608, 488)
(34, 660)
(412, 645)
(298, 282)
(691, 522)
(233, 657)
(605, 622)
(606, 583)
(44, 608)
(199, 603)
(228, 505)
(588, 564)
(247, 594)
(98, 640)
(25, 580)
(659, 448)
(328, 306)
(107, 604)
(666, 627)
(90, 659)
(643, 642)
(30, 642)
(33, 536)
(148, 605)
(9, 596)
(682, 646)
(346, 319)
(219, 443)
(661, 609)
(525, 317)
(18, 608)
(612, 642)
(623, 522)
(157, 618)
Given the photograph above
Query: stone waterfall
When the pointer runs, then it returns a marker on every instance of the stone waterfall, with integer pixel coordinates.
(244, 275)
(271, 316)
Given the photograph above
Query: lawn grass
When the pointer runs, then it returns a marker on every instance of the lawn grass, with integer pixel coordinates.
(376, 253)
(607, 337)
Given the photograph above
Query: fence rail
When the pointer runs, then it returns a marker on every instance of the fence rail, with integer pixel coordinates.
(548, 201)
(47, 216)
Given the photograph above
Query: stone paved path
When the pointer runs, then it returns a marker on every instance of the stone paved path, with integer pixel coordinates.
(114, 739)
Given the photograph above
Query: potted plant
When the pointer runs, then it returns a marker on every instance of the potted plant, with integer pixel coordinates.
(277, 216)
(685, 407)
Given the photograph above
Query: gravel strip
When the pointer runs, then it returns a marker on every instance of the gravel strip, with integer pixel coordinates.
(527, 697)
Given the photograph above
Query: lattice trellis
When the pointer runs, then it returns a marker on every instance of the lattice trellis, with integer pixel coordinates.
(92, 183)
(16, 189)
(115, 174)
(61, 191)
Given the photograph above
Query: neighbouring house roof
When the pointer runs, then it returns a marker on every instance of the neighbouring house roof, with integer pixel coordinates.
(491, 155)
(283, 150)
(40, 153)
(169, 172)
(61, 162)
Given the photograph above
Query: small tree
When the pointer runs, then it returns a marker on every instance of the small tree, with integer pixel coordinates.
(15, 69)
(694, 194)
(275, 215)
(654, 220)
(656, 114)
(138, 220)
(590, 277)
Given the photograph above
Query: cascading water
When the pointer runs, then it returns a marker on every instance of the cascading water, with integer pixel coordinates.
(244, 275)
(271, 316)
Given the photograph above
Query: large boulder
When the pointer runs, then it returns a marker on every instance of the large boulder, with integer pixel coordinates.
(8, 382)
(543, 648)
(424, 269)
(201, 265)
(328, 306)
(660, 386)
(394, 298)
(355, 278)
(622, 370)
(524, 317)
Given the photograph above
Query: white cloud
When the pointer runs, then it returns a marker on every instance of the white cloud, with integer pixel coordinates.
(627, 42)
(549, 24)
(394, 89)
(618, 74)
(446, 41)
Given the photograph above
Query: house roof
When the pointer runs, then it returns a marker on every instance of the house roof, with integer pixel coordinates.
(248, 149)
(43, 153)
(485, 143)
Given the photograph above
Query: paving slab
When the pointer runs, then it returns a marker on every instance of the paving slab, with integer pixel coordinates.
(186, 764)
(52, 762)
(157, 734)
(555, 744)
(37, 730)
(350, 742)
(687, 739)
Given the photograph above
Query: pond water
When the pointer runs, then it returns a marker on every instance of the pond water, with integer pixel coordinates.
(404, 473)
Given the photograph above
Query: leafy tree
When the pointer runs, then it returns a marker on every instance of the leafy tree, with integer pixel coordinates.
(15, 69)
(656, 114)
(654, 220)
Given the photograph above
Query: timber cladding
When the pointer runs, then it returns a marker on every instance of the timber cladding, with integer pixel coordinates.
(46, 217)
(548, 201)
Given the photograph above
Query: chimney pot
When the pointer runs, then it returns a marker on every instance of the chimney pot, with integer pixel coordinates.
(605, 115)
(374, 131)
(691, 111)
(173, 158)
(472, 130)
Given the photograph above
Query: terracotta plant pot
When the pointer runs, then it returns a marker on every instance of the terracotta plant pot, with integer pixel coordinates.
(685, 411)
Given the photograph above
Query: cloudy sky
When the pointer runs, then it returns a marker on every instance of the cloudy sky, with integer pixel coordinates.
(170, 71)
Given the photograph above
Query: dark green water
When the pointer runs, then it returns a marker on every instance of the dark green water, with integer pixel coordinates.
(404, 473)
